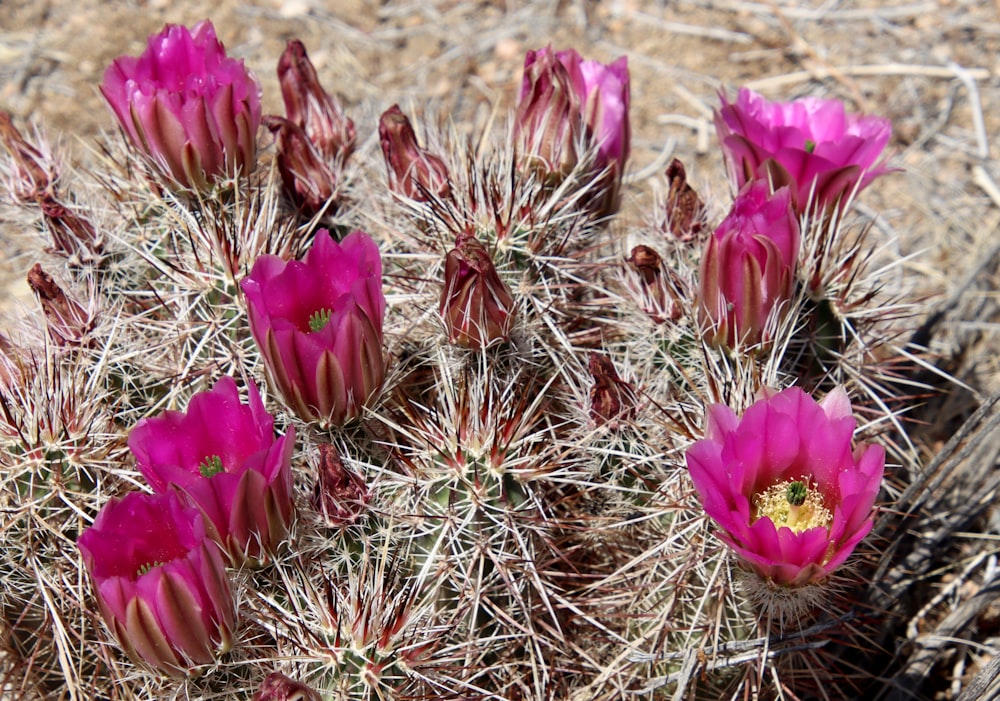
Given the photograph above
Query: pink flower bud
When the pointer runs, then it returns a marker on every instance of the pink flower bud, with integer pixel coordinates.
(339, 494)
(568, 105)
(318, 324)
(476, 305)
(67, 322)
(549, 123)
(190, 108)
(223, 456)
(783, 483)
(748, 268)
(414, 172)
(313, 109)
(823, 153)
(278, 687)
(160, 581)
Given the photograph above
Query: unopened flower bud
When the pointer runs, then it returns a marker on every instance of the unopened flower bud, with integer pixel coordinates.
(311, 108)
(339, 494)
(684, 209)
(414, 172)
(476, 305)
(612, 399)
(748, 268)
(68, 323)
(548, 123)
(278, 687)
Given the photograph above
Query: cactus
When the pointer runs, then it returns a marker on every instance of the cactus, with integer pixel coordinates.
(509, 515)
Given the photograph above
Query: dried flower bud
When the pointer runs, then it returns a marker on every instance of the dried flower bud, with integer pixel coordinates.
(33, 174)
(72, 235)
(278, 687)
(309, 180)
(684, 208)
(414, 172)
(339, 494)
(612, 399)
(657, 286)
(476, 305)
(313, 109)
(67, 321)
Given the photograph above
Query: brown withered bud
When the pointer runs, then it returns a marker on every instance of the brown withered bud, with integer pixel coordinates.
(612, 399)
(414, 172)
(68, 323)
(33, 173)
(339, 494)
(278, 687)
(311, 108)
(476, 305)
(10, 364)
(684, 208)
(308, 180)
(72, 235)
(657, 287)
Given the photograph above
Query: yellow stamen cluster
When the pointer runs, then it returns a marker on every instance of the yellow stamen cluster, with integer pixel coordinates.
(793, 504)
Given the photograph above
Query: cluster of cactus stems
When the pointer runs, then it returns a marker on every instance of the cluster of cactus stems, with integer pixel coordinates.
(503, 441)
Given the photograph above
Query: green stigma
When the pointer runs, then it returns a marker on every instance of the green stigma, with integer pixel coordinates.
(320, 319)
(147, 567)
(796, 494)
(810, 145)
(210, 466)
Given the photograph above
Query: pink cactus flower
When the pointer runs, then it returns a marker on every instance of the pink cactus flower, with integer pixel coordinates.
(790, 495)
(222, 454)
(599, 95)
(813, 145)
(748, 268)
(160, 581)
(318, 324)
(193, 110)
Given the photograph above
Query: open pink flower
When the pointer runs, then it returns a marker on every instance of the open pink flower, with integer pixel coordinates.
(823, 152)
(748, 267)
(193, 110)
(223, 455)
(783, 483)
(160, 581)
(318, 324)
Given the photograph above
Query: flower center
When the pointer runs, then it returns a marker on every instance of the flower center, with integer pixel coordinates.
(320, 319)
(810, 145)
(793, 504)
(147, 567)
(211, 465)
